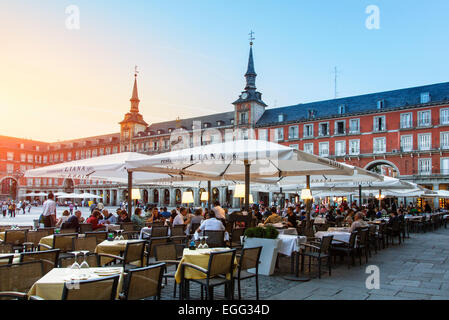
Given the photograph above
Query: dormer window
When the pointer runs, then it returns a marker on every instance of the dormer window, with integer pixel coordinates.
(425, 97)
(311, 114)
(206, 125)
(341, 109)
(232, 121)
(159, 132)
(380, 104)
(219, 123)
(281, 118)
(170, 130)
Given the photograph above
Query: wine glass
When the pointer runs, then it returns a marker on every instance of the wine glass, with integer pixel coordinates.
(84, 264)
(200, 245)
(121, 235)
(75, 265)
(205, 245)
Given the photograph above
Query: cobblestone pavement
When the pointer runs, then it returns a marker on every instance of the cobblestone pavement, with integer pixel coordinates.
(415, 270)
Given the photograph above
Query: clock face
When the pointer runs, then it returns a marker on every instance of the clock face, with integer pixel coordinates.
(244, 95)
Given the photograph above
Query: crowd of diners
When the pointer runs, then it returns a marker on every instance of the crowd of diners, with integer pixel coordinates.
(289, 215)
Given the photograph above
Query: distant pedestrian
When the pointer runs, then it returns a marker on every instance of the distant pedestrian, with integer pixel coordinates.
(49, 211)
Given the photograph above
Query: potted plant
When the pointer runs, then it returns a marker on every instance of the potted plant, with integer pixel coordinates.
(267, 238)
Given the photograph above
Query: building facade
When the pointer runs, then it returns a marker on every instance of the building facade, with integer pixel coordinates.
(402, 133)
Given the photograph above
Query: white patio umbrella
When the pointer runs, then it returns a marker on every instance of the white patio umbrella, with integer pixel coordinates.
(59, 194)
(111, 167)
(87, 195)
(245, 160)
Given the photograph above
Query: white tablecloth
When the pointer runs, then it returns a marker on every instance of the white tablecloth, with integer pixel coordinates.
(290, 243)
(291, 231)
(446, 216)
(338, 235)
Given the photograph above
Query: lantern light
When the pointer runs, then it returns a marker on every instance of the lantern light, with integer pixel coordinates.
(135, 194)
(187, 197)
(306, 194)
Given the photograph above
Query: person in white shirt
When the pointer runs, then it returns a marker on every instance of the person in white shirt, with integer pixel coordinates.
(211, 224)
(179, 219)
(219, 211)
(49, 211)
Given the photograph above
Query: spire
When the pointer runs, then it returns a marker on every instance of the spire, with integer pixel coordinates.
(135, 97)
(250, 74)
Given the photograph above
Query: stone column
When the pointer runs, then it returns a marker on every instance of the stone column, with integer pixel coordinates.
(105, 197)
(161, 197)
(196, 197)
(436, 201)
(172, 197)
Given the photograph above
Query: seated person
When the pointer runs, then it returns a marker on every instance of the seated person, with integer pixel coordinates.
(64, 218)
(292, 219)
(330, 217)
(73, 222)
(156, 216)
(197, 217)
(212, 223)
(358, 222)
(108, 218)
(137, 219)
(165, 213)
(274, 217)
(303, 215)
(123, 217)
(94, 220)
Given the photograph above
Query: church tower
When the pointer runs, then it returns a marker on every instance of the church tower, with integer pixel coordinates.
(249, 107)
(133, 122)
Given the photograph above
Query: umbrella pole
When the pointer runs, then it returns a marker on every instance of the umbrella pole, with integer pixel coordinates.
(360, 196)
(247, 174)
(309, 227)
(130, 188)
(209, 194)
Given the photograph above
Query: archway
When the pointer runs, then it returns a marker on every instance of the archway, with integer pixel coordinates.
(155, 196)
(178, 196)
(166, 197)
(8, 188)
(145, 196)
(384, 167)
(215, 195)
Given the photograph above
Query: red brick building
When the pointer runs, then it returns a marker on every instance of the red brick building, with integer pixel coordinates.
(402, 133)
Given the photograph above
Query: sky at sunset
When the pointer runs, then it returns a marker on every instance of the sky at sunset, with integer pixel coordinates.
(58, 84)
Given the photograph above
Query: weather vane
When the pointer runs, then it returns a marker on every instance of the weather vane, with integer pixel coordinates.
(135, 71)
(251, 37)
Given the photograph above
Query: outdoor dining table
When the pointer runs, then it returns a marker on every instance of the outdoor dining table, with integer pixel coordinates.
(338, 229)
(50, 286)
(114, 247)
(199, 257)
(338, 235)
(289, 231)
(290, 243)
